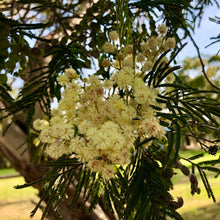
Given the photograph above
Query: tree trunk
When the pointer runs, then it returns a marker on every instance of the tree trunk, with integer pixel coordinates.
(20, 160)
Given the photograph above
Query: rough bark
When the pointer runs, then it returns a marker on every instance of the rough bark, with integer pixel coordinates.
(20, 159)
(13, 146)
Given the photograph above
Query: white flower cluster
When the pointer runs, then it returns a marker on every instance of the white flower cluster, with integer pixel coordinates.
(98, 125)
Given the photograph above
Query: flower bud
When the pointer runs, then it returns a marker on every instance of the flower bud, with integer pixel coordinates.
(106, 63)
(185, 170)
(36, 142)
(113, 35)
(85, 80)
(193, 189)
(180, 202)
(120, 56)
(109, 48)
(162, 29)
(128, 49)
(198, 190)
(213, 149)
(140, 57)
(193, 179)
(170, 42)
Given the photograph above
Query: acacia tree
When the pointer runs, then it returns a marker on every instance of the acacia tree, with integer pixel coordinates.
(191, 74)
(114, 139)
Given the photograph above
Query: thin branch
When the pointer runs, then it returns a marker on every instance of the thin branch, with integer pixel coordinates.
(60, 21)
(207, 126)
(199, 55)
(202, 64)
(200, 138)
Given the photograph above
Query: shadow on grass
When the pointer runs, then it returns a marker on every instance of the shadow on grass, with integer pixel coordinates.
(2, 204)
(211, 212)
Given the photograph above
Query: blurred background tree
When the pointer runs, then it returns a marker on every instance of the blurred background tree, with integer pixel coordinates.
(191, 73)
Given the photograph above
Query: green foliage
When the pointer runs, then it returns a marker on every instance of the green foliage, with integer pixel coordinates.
(176, 14)
(216, 39)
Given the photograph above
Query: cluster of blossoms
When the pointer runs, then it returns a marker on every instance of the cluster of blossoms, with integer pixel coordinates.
(97, 120)
(146, 56)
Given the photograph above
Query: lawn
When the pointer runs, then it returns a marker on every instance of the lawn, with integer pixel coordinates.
(7, 171)
(17, 204)
(8, 193)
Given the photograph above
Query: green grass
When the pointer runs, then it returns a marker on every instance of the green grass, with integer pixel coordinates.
(8, 192)
(195, 207)
(207, 212)
(198, 206)
(7, 171)
(16, 204)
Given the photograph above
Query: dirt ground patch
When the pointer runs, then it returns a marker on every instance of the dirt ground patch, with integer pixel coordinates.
(18, 210)
(17, 204)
